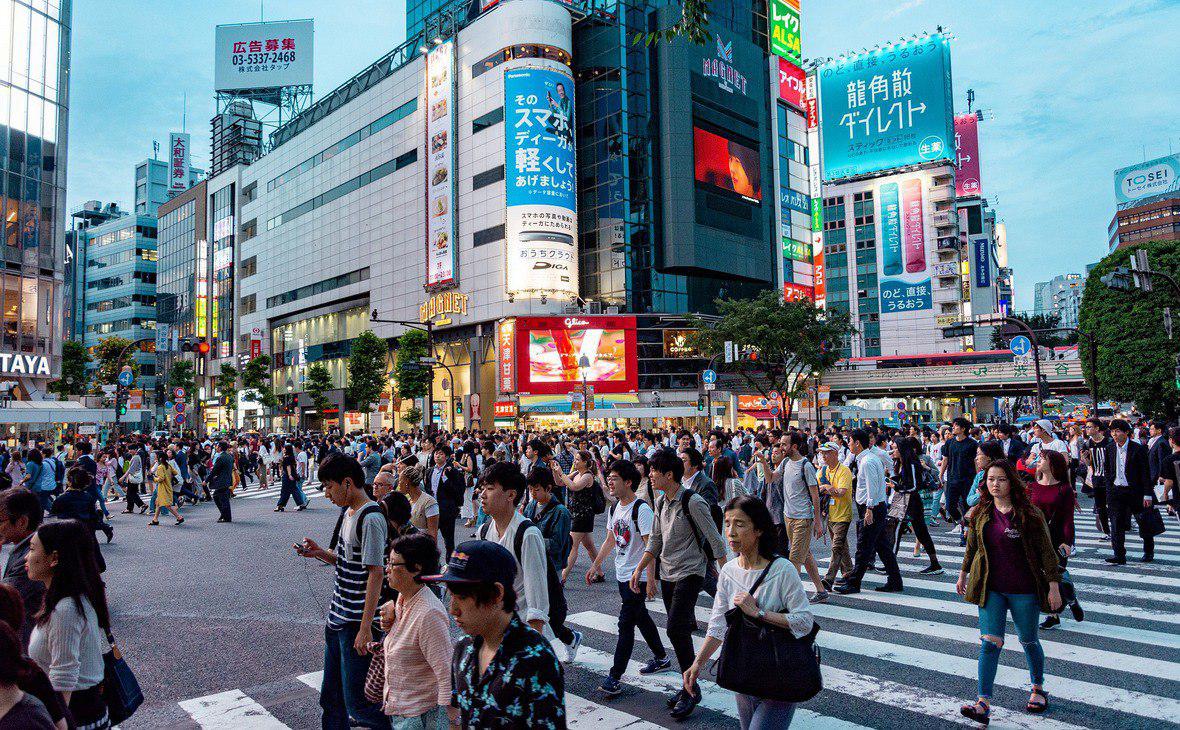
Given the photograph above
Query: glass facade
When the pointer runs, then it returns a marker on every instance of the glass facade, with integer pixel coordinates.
(34, 83)
(325, 339)
(221, 212)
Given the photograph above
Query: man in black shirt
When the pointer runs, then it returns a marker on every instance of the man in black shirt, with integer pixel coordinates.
(958, 467)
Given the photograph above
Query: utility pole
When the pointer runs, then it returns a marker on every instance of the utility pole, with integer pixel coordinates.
(428, 328)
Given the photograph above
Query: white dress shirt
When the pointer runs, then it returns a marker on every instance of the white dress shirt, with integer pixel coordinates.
(1120, 464)
(870, 479)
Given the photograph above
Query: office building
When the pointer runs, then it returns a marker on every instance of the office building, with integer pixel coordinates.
(34, 102)
(1147, 197)
(152, 185)
(1061, 296)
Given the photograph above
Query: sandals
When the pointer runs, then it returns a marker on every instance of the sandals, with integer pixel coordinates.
(153, 522)
(180, 521)
(1037, 707)
(979, 711)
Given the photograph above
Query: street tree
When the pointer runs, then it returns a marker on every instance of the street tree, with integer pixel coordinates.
(367, 365)
(111, 354)
(781, 344)
(414, 414)
(180, 375)
(74, 358)
(256, 383)
(413, 379)
(1002, 335)
(316, 384)
(1136, 358)
(227, 385)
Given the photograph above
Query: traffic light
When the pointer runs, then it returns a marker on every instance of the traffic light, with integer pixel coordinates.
(186, 344)
(1119, 279)
(202, 347)
(700, 402)
(1177, 372)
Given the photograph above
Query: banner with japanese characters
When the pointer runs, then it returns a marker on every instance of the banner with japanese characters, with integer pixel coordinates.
(440, 172)
(178, 161)
(887, 108)
(263, 55)
(541, 212)
(905, 284)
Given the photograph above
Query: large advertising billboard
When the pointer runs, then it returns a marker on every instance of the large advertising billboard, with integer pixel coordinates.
(553, 354)
(541, 216)
(440, 173)
(1147, 179)
(178, 161)
(792, 84)
(785, 32)
(967, 156)
(887, 108)
(902, 258)
(726, 164)
(263, 55)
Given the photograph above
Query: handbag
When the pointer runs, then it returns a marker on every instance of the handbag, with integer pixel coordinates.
(766, 661)
(597, 498)
(120, 688)
(375, 679)
(1150, 521)
(898, 505)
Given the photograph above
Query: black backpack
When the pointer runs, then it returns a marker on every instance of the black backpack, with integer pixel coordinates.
(387, 593)
(558, 608)
(634, 511)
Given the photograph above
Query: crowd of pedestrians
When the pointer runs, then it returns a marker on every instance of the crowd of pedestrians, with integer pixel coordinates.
(737, 515)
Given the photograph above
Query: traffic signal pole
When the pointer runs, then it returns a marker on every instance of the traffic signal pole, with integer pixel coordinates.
(120, 391)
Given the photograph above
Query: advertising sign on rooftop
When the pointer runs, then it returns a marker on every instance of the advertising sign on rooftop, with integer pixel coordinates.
(967, 156)
(785, 33)
(1147, 179)
(263, 55)
(887, 108)
(178, 161)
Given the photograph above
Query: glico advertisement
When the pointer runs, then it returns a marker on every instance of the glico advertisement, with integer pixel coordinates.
(901, 254)
(553, 354)
(887, 108)
(541, 220)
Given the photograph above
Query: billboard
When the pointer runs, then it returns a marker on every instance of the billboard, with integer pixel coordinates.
(263, 55)
(1147, 179)
(554, 352)
(726, 164)
(886, 108)
(785, 32)
(792, 84)
(506, 367)
(178, 161)
(797, 292)
(981, 261)
(967, 156)
(440, 173)
(901, 256)
(540, 190)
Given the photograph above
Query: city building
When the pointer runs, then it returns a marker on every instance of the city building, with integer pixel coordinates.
(34, 102)
(1147, 199)
(152, 185)
(1062, 296)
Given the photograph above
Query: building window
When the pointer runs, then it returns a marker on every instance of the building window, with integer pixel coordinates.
(249, 304)
(521, 51)
(249, 267)
(378, 172)
(250, 192)
(488, 235)
(487, 121)
(352, 277)
(249, 230)
(487, 177)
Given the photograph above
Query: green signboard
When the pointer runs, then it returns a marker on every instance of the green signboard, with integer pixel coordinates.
(796, 250)
(785, 35)
(817, 214)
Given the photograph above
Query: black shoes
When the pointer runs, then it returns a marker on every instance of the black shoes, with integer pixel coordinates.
(686, 704)
(846, 589)
(889, 588)
(1076, 609)
(1050, 622)
(1147, 558)
(827, 584)
(1117, 561)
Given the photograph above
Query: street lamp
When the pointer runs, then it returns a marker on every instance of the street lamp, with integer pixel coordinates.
(584, 370)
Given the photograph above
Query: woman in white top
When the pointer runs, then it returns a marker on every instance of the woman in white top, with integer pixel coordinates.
(780, 601)
(69, 635)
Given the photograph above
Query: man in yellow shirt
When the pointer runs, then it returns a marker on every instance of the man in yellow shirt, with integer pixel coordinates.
(835, 480)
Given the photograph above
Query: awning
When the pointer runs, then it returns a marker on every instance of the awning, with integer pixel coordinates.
(637, 412)
(48, 411)
(759, 415)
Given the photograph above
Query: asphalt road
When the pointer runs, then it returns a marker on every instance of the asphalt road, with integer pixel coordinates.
(220, 622)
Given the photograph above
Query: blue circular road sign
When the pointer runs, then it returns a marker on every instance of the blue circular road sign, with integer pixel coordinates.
(179, 407)
(709, 376)
(179, 418)
(126, 378)
(1021, 345)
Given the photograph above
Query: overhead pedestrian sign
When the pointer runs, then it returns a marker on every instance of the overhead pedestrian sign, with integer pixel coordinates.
(1020, 346)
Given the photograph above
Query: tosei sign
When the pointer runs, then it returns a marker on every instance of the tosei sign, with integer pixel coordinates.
(887, 108)
(263, 55)
(1154, 177)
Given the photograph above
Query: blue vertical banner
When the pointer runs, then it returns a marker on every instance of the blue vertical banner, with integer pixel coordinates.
(540, 184)
(891, 230)
(981, 261)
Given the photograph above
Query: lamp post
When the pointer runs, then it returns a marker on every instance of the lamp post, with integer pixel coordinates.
(583, 369)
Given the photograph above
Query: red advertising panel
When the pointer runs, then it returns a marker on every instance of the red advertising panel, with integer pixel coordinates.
(967, 155)
(792, 84)
(504, 409)
(553, 353)
(727, 164)
(506, 367)
(797, 292)
(255, 349)
(915, 236)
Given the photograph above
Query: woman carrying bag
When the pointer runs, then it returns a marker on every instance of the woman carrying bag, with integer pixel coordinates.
(766, 589)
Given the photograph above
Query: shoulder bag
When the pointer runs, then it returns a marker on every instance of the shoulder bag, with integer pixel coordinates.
(766, 661)
(1151, 523)
(120, 688)
(597, 498)
(375, 679)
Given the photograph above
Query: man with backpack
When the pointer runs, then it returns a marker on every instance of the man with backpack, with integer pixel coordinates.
(541, 599)
(686, 541)
(358, 551)
(629, 526)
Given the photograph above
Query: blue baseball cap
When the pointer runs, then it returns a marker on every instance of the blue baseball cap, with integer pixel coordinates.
(477, 561)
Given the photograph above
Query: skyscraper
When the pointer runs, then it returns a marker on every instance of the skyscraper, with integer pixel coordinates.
(34, 87)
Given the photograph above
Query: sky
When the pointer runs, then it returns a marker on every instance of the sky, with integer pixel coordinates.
(1070, 91)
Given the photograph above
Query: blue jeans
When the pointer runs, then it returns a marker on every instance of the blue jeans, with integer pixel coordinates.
(299, 492)
(98, 493)
(433, 720)
(756, 713)
(993, 616)
(342, 694)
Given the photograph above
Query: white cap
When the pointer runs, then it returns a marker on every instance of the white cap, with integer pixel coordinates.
(1046, 424)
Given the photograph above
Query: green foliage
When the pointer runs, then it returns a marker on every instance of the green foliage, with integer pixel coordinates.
(180, 375)
(791, 340)
(227, 385)
(315, 383)
(367, 365)
(1002, 336)
(1136, 360)
(111, 354)
(694, 19)
(414, 414)
(74, 358)
(256, 382)
(412, 379)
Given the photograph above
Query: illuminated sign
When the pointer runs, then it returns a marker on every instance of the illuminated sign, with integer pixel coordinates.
(440, 187)
(792, 84)
(555, 354)
(506, 339)
(504, 409)
(797, 292)
(178, 161)
(721, 68)
(443, 303)
(1154, 177)
(967, 155)
(905, 285)
(678, 344)
(785, 32)
(18, 364)
(887, 108)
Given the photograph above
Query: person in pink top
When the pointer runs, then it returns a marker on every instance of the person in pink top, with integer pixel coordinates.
(418, 645)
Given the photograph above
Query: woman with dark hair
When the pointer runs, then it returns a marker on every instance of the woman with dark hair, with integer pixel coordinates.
(779, 600)
(1009, 566)
(19, 710)
(1053, 494)
(907, 480)
(78, 502)
(580, 500)
(31, 679)
(417, 641)
(69, 636)
(725, 477)
(643, 490)
(289, 481)
(988, 453)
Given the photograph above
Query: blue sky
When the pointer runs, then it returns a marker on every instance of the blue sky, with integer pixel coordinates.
(1070, 92)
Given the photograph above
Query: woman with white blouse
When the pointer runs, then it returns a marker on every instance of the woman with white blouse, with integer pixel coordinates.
(779, 601)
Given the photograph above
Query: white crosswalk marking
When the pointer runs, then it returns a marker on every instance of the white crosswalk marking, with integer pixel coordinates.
(586, 715)
(231, 710)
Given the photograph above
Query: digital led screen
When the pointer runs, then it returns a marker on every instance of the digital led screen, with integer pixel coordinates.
(726, 164)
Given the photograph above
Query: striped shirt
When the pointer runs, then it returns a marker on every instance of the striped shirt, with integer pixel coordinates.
(353, 559)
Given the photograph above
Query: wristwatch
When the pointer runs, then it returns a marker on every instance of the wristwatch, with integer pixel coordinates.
(762, 614)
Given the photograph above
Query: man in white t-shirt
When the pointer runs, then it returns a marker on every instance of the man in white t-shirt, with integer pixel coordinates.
(628, 528)
(1045, 440)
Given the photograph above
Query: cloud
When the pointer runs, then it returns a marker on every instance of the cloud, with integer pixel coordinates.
(903, 8)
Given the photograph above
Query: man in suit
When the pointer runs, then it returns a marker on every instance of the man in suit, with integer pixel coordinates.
(1014, 447)
(448, 485)
(695, 477)
(20, 516)
(1158, 448)
(1130, 492)
(221, 478)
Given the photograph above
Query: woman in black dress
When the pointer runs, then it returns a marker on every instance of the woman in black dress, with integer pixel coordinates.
(580, 486)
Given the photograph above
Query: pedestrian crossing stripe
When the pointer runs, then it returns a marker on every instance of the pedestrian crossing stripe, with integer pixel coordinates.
(1106, 573)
